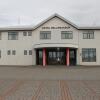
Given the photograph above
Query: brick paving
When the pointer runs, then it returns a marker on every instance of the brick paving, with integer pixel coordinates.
(49, 90)
(52, 83)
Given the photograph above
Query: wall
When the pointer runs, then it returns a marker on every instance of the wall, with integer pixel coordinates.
(23, 43)
(90, 43)
(30, 43)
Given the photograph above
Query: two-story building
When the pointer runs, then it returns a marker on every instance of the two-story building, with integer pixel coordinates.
(55, 41)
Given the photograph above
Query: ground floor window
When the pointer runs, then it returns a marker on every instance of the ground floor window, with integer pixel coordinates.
(0, 53)
(8, 52)
(13, 52)
(25, 52)
(88, 55)
(30, 52)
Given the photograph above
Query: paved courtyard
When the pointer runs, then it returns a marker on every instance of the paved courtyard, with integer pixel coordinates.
(52, 83)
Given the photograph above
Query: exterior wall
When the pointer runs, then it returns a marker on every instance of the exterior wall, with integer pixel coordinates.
(23, 43)
(90, 43)
(55, 33)
(34, 41)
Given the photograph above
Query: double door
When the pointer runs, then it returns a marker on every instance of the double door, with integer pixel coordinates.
(55, 57)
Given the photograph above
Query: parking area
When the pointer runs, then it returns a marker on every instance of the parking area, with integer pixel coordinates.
(51, 83)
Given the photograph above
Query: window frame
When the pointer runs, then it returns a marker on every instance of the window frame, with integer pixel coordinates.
(29, 33)
(8, 52)
(25, 52)
(13, 52)
(88, 52)
(30, 52)
(0, 53)
(45, 35)
(68, 34)
(25, 33)
(0, 36)
(11, 34)
(89, 34)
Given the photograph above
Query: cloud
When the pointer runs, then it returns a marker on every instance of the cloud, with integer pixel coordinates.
(81, 12)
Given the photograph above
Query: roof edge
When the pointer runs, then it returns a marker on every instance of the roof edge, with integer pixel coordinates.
(29, 27)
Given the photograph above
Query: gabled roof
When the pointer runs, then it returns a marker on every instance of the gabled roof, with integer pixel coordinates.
(31, 27)
(67, 21)
(53, 16)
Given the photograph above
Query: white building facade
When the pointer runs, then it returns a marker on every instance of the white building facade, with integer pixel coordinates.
(55, 41)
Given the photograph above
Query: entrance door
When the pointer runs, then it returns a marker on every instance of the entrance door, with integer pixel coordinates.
(72, 56)
(39, 57)
(55, 57)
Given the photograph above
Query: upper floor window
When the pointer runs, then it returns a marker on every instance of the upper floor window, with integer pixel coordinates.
(12, 35)
(45, 35)
(88, 35)
(0, 35)
(27, 33)
(66, 35)
(88, 55)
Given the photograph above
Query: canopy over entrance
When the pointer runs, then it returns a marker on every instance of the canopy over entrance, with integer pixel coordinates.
(64, 45)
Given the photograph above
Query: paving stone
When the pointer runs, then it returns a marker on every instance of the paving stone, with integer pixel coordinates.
(51, 90)
(49, 83)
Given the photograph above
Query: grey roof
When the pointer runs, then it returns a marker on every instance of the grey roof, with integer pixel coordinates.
(9, 28)
(31, 27)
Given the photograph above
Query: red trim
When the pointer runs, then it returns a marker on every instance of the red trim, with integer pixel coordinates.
(67, 57)
(44, 57)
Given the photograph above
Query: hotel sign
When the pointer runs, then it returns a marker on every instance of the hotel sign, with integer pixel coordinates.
(56, 27)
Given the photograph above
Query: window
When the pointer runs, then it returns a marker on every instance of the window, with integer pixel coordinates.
(45, 35)
(66, 35)
(0, 35)
(25, 52)
(29, 33)
(89, 55)
(25, 33)
(8, 52)
(30, 52)
(0, 53)
(12, 35)
(88, 35)
(13, 52)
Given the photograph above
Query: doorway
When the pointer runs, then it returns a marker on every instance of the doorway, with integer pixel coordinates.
(72, 57)
(56, 56)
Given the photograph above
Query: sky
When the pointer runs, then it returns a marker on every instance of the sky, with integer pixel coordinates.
(31, 12)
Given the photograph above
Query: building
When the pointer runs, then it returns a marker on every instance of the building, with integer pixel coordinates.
(55, 41)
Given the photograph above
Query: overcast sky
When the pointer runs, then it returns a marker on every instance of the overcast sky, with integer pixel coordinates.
(27, 12)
